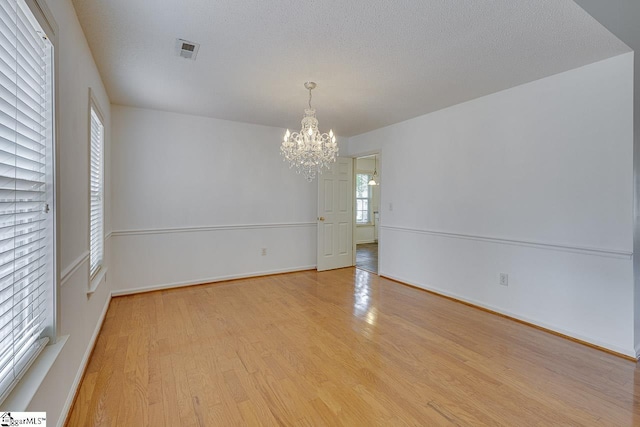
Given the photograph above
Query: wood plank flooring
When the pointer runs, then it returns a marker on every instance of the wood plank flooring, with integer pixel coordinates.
(367, 256)
(342, 347)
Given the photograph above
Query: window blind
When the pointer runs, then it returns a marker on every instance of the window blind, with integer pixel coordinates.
(26, 237)
(96, 223)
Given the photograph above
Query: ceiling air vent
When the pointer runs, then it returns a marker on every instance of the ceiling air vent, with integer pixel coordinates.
(187, 49)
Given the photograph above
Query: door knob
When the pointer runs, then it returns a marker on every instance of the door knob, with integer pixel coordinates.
(321, 218)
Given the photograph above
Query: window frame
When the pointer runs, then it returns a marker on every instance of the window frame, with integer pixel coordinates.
(368, 199)
(48, 337)
(95, 277)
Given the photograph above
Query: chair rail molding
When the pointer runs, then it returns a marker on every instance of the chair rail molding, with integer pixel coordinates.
(604, 252)
(70, 270)
(211, 228)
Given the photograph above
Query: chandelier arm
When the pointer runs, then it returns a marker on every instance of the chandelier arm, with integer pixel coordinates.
(309, 151)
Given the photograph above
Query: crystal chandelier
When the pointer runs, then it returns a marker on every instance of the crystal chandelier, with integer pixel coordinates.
(309, 150)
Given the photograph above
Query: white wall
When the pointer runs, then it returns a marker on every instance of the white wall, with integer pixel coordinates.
(621, 18)
(78, 313)
(365, 234)
(544, 164)
(535, 181)
(196, 199)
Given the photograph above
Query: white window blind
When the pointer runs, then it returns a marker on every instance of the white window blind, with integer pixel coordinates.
(96, 224)
(26, 224)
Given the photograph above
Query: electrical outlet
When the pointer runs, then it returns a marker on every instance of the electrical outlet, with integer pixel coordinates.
(264, 251)
(390, 207)
(504, 279)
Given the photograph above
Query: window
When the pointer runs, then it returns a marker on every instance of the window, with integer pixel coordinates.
(96, 221)
(363, 198)
(26, 191)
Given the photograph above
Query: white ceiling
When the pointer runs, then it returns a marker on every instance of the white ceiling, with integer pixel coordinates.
(376, 62)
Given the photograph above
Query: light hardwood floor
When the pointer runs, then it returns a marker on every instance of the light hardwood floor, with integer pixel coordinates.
(343, 347)
(367, 257)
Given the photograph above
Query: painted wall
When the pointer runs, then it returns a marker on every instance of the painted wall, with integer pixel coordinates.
(621, 18)
(197, 199)
(78, 313)
(536, 182)
(367, 233)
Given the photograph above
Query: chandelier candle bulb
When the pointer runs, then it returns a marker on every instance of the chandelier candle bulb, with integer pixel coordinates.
(309, 150)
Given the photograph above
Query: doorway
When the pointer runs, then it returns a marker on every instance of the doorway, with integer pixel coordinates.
(367, 208)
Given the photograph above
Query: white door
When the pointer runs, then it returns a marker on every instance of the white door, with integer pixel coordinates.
(335, 216)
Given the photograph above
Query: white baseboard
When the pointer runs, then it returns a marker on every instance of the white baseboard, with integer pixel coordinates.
(85, 360)
(83, 365)
(362, 242)
(623, 351)
(159, 287)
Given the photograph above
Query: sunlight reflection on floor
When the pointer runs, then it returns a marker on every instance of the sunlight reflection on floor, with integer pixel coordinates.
(362, 298)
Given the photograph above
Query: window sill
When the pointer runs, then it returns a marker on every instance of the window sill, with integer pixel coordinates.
(97, 279)
(364, 224)
(23, 392)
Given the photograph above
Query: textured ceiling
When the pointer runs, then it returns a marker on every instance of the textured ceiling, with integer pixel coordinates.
(376, 62)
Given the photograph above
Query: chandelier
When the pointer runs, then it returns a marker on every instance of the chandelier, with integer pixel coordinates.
(309, 150)
(374, 177)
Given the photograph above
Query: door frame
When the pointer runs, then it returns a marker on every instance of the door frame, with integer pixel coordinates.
(355, 157)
